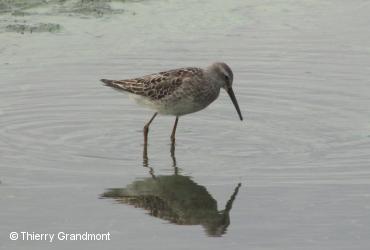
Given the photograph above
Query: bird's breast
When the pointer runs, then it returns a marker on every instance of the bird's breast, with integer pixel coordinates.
(188, 101)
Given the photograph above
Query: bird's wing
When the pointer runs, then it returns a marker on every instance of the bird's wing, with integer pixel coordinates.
(155, 86)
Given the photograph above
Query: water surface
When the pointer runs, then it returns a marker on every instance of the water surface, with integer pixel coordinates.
(301, 77)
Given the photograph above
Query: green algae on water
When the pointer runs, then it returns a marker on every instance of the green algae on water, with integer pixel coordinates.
(39, 27)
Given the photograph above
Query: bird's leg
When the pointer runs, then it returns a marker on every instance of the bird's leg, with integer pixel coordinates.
(174, 130)
(146, 130)
(176, 169)
(146, 162)
(145, 156)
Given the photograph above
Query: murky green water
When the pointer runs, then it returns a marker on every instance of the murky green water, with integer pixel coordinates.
(71, 149)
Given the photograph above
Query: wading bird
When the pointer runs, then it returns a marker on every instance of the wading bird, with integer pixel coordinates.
(179, 91)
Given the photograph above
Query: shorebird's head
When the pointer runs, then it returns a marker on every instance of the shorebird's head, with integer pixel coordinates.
(224, 77)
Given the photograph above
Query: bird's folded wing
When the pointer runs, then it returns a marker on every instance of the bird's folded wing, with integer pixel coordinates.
(155, 86)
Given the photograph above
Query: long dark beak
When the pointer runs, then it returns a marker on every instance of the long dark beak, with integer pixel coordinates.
(235, 102)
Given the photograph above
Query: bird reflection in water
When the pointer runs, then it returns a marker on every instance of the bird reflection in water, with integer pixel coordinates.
(175, 198)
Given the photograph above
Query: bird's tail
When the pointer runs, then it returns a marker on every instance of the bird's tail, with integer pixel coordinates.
(107, 82)
(122, 85)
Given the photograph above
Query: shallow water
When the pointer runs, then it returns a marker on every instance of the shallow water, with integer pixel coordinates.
(301, 77)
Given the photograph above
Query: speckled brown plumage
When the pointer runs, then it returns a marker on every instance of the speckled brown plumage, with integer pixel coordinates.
(156, 86)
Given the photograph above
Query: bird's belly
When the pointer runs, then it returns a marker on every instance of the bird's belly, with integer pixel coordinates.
(184, 105)
(142, 101)
(178, 104)
(169, 107)
(180, 108)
